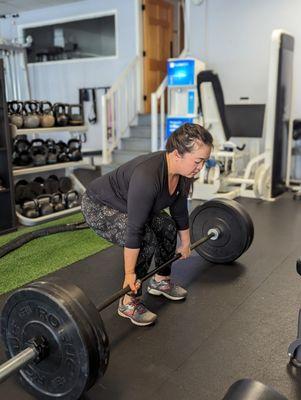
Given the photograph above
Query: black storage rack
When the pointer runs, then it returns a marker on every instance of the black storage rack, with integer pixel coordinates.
(7, 201)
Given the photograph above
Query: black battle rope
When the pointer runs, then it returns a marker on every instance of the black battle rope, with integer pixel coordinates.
(27, 237)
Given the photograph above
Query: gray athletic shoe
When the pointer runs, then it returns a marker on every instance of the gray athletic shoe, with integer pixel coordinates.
(136, 312)
(166, 288)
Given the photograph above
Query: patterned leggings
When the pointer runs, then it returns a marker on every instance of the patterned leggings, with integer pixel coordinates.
(160, 237)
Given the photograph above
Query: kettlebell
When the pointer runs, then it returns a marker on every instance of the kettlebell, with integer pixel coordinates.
(15, 113)
(38, 152)
(47, 119)
(72, 199)
(21, 154)
(52, 151)
(30, 209)
(31, 117)
(63, 152)
(57, 201)
(45, 204)
(74, 150)
(61, 118)
(76, 114)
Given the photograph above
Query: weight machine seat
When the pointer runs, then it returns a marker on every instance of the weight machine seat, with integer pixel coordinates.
(248, 389)
(210, 76)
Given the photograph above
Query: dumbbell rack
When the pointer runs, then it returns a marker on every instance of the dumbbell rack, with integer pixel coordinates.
(67, 166)
(7, 204)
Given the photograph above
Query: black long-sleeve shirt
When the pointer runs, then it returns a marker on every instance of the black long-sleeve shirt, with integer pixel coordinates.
(140, 189)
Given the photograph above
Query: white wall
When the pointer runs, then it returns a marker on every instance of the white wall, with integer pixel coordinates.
(233, 38)
(60, 81)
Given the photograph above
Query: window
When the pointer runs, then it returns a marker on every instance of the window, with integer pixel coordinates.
(86, 38)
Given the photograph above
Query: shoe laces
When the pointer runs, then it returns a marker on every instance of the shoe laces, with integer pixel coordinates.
(167, 282)
(138, 306)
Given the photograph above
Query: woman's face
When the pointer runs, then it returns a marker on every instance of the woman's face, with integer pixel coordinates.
(190, 164)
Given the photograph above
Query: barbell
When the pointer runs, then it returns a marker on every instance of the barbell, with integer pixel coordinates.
(54, 334)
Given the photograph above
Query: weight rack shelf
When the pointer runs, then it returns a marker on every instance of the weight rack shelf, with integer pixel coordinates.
(34, 221)
(76, 185)
(47, 167)
(75, 129)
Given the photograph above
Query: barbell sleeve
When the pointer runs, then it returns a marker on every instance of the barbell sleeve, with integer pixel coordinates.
(117, 295)
(17, 362)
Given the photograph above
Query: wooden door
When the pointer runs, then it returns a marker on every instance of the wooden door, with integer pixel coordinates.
(157, 45)
(182, 28)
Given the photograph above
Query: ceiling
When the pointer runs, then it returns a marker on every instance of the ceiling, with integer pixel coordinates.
(19, 6)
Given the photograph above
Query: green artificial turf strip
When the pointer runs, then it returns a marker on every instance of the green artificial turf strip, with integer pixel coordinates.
(47, 254)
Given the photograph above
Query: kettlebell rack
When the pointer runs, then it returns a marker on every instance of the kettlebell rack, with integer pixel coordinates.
(68, 167)
(7, 206)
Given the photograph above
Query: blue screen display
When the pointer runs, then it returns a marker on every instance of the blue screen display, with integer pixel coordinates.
(180, 72)
(173, 123)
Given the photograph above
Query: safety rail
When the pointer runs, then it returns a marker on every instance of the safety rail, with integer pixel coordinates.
(158, 96)
(119, 108)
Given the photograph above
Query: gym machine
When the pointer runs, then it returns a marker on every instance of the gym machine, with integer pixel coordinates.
(248, 389)
(264, 174)
(182, 92)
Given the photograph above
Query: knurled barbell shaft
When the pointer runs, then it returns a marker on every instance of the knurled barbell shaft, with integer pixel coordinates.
(122, 292)
(17, 362)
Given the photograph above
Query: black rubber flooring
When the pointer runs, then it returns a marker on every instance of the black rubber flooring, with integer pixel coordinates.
(237, 321)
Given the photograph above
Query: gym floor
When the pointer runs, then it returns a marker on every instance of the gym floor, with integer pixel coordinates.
(237, 321)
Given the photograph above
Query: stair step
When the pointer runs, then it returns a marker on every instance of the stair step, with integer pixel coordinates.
(144, 119)
(123, 156)
(105, 169)
(136, 143)
(140, 131)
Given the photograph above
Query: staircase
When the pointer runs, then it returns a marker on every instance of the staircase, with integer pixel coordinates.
(139, 142)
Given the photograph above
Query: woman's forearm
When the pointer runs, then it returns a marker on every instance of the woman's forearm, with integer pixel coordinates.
(130, 260)
(184, 237)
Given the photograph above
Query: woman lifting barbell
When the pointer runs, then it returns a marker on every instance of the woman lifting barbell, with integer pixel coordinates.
(126, 207)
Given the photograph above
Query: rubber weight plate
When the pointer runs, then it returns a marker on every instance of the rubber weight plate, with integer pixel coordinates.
(248, 389)
(248, 221)
(66, 372)
(235, 233)
(90, 317)
(49, 290)
(88, 313)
